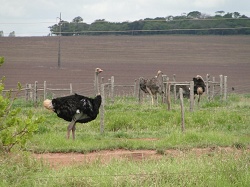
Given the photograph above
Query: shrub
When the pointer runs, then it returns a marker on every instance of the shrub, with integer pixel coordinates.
(16, 125)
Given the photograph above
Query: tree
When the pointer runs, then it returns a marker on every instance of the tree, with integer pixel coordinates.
(228, 15)
(12, 34)
(194, 15)
(77, 19)
(236, 14)
(16, 125)
(220, 12)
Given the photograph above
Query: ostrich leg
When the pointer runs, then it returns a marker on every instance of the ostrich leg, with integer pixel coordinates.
(149, 91)
(72, 125)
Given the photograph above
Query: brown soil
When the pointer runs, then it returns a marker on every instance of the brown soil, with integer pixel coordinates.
(30, 59)
(56, 160)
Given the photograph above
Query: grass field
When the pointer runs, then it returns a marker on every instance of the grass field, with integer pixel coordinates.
(213, 150)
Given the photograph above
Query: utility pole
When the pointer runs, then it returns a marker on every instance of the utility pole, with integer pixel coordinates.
(59, 43)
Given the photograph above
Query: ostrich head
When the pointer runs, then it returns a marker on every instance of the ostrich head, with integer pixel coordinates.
(48, 104)
(158, 73)
(98, 70)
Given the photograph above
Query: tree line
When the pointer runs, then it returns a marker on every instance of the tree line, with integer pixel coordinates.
(194, 22)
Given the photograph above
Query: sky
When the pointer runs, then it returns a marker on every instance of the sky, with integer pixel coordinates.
(33, 17)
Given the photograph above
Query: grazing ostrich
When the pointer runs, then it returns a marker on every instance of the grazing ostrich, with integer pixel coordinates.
(152, 86)
(199, 86)
(74, 108)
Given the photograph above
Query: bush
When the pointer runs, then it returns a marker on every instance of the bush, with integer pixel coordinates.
(16, 125)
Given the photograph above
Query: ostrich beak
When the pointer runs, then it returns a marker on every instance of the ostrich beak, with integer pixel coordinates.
(48, 104)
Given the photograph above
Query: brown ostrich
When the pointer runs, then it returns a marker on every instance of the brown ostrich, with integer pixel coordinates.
(152, 86)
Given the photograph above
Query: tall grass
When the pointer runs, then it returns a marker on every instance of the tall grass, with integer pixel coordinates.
(187, 169)
(129, 125)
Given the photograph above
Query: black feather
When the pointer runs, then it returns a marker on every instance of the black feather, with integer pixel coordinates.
(67, 107)
(198, 82)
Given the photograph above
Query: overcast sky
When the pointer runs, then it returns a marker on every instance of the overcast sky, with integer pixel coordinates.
(33, 17)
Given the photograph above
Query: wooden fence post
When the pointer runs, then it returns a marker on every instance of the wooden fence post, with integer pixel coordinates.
(182, 111)
(27, 92)
(174, 80)
(225, 88)
(102, 110)
(112, 81)
(213, 88)
(30, 93)
(168, 94)
(35, 93)
(191, 96)
(44, 90)
(221, 86)
(207, 86)
(164, 80)
(139, 91)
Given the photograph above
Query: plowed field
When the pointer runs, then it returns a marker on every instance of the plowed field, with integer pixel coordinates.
(29, 59)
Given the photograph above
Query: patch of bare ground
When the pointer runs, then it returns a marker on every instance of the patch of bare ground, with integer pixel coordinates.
(57, 160)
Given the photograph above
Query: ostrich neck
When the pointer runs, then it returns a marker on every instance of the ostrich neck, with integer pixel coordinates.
(96, 83)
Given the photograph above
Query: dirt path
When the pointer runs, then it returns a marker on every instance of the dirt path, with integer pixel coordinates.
(56, 160)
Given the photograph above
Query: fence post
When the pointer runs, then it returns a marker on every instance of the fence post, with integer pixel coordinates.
(27, 92)
(44, 90)
(102, 110)
(164, 80)
(207, 86)
(35, 93)
(182, 111)
(225, 88)
(139, 91)
(221, 86)
(168, 94)
(213, 88)
(30, 93)
(174, 80)
(112, 81)
(191, 96)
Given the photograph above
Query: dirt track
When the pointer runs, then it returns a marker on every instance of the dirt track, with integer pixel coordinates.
(56, 160)
(30, 59)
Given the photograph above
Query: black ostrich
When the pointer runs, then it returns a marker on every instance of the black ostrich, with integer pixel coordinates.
(199, 86)
(152, 86)
(75, 108)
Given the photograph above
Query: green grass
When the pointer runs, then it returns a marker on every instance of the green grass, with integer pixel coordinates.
(221, 169)
(126, 122)
(128, 125)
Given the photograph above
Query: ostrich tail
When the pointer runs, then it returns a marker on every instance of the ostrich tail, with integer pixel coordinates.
(199, 91)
